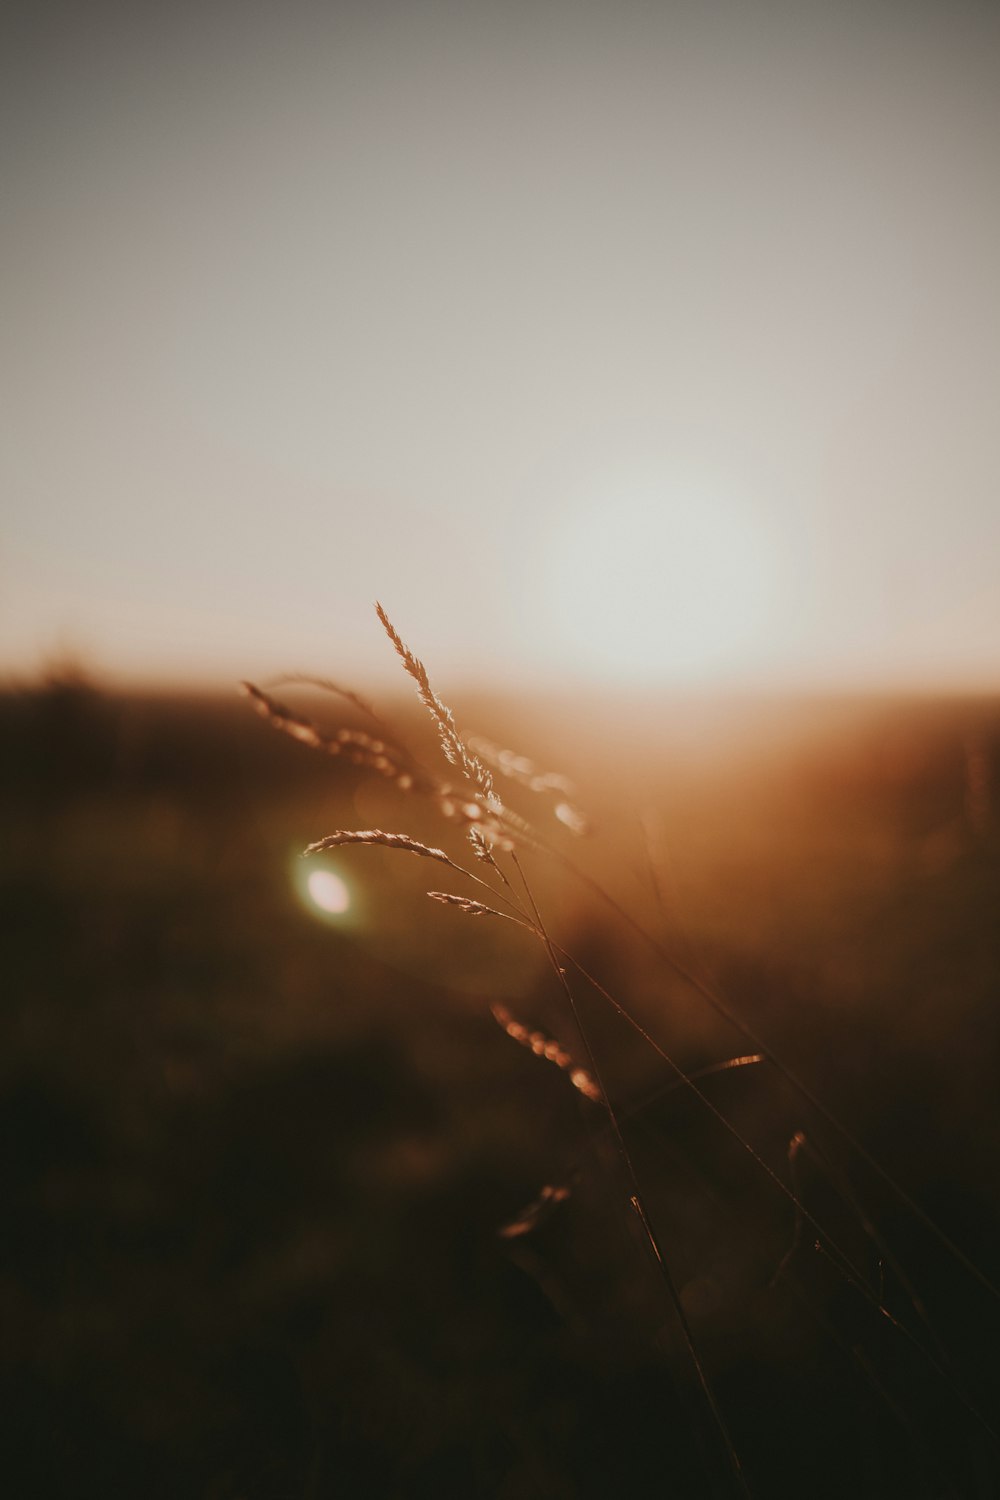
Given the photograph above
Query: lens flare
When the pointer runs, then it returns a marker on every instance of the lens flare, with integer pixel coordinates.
(328, 892)
(322, 891)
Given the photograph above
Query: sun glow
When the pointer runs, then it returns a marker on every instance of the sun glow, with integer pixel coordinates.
(664, 580)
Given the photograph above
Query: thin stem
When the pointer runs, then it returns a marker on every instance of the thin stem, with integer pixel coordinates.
(523, 917)
(635, 1198)
(843, 1187)
(826, 1242)
(723, 1009)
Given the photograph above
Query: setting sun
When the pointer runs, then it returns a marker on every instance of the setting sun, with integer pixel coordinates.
(669, 578)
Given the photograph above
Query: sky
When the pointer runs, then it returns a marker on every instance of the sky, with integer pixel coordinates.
(636, 342)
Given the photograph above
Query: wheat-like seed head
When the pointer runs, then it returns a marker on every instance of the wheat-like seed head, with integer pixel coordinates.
(551, 1050)
(385, 840)
(455, 749)
(327, 685)
(572, 818)
(480, 847)
(493, 823)
(529, 1218)
(354, 745)
(463, 903)
(519, 768)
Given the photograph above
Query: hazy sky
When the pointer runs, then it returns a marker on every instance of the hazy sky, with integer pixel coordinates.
(658, 342)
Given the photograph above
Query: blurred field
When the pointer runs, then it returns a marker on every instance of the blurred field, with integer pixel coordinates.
(255, 1162)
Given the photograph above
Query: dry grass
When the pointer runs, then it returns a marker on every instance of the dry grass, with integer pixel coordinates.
(500, 840)
(258, 1161)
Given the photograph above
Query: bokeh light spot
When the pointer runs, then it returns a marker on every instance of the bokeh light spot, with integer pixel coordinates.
(327, 892)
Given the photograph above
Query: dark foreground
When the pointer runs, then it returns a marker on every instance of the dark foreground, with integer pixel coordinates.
(256, 1163)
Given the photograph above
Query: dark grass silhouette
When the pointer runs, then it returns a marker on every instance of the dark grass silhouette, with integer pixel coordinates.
(258, 1168)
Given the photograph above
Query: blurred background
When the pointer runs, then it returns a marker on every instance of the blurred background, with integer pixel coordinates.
(643, 361)
(645, 341)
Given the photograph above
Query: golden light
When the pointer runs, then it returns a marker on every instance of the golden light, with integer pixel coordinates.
(664, 578)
